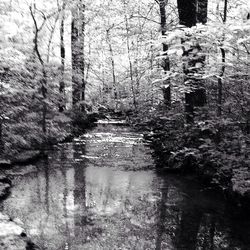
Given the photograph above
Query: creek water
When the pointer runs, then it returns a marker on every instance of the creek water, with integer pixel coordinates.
(102, 192)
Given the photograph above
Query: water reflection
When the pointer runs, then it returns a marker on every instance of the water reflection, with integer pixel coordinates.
(96, 194)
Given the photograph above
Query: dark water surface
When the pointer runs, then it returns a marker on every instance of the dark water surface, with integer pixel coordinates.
(101, 192)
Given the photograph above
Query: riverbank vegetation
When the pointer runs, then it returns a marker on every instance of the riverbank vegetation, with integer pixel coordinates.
(202, 124)
(177, 69)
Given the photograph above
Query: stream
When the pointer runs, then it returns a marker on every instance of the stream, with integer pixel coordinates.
(101, 192)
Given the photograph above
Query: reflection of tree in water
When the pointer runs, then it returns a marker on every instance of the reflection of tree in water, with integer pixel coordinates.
(80, 215)
(197, 225)
(74, 203)
(207, 232)
(205, 225)
(187, 232)
(162, 215)
(67, 244)
(46, 174)
(44, 165)
(183, 223)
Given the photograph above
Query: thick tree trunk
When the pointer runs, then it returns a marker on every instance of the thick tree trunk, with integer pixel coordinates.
(192, 12)
(187, 12)
(202, 11)
(77, 50)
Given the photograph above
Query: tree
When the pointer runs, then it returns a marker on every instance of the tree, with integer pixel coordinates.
(1, 136)
(112, 65)
(192, 12)
(165, 62)
(223, 60)
(131, 71)
(77, 48)
(43, 80)
(62, 54)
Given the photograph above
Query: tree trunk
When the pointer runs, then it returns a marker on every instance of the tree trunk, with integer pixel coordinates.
(113, 67)
(53, 29)
(88, 64)
(77, 48)
(62, 52)
(223, 60)
(192, 12)
(202, 11)
(74, 56)
(165, 63)
(82, 54)
(44, 74)
(1, 137)
(130, 63)
(187, 12)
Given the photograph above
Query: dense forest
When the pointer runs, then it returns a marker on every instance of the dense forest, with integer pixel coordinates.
(177, 71)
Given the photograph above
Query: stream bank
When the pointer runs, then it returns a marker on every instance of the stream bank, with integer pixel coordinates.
(12, 233)
(217, 155)
(74, 127)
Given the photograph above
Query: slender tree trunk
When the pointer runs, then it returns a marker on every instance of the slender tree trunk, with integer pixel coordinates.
(82, 54)
(88, 65)
(53, 28)
(1, 137)
(74, 56)
(248, 113)
(62, 52)
(223, 60)
(165, 63)
(130, 62)
(1, 120)
(151, 52)
(113, 67)
(44, 74)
